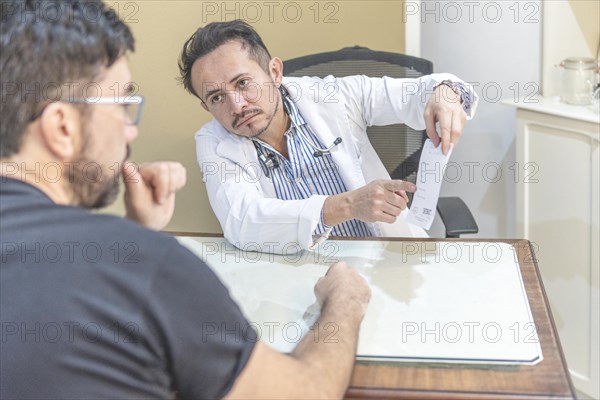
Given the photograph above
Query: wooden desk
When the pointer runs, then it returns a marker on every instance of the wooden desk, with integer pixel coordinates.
(549, 379)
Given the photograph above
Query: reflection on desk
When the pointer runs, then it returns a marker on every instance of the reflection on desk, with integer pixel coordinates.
(458, 302)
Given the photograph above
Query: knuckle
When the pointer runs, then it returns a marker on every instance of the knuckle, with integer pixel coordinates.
(161, 168)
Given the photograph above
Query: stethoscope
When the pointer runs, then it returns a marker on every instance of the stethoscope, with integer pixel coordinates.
(269, 161)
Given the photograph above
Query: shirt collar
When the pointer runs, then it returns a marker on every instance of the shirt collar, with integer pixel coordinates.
(291, 109)
(17, 187)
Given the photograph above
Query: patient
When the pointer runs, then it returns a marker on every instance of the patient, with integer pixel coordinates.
(96, 306)
(287, 161)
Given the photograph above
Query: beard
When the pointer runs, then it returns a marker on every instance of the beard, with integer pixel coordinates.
(92, 190)
(271, 118)
(93, 186)
(262, 130)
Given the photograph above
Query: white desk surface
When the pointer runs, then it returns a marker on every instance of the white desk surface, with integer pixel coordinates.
(461, 302)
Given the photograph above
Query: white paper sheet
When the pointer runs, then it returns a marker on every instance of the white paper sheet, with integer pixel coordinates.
(430, 176)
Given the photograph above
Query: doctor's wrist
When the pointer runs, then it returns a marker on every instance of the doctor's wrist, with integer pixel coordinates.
(462, 91)
(336, 209)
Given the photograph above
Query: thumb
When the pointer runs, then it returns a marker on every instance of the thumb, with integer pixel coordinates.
(131, 177)
(397, 185)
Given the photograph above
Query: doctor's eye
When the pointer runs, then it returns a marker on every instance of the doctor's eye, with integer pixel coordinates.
(217, 98)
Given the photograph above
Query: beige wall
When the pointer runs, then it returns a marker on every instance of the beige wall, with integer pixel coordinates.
(289, 30)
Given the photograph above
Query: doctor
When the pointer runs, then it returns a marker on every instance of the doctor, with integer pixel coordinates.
(287, 161)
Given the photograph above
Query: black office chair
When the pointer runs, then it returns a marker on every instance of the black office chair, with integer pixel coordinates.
(398, 146)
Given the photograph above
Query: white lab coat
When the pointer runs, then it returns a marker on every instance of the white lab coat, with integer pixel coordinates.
(243, 197)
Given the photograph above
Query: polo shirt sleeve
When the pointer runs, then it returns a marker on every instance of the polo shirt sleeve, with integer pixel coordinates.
(199, 330)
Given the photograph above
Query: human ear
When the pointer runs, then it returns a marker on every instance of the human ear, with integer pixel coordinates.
(276, 70)
(60, 129)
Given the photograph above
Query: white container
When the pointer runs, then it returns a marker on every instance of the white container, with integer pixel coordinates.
(579, 80)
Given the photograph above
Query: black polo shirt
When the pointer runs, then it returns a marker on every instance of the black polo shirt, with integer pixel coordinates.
(96, 307)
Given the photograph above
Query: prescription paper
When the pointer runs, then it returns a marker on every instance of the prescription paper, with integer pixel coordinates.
(429, 183)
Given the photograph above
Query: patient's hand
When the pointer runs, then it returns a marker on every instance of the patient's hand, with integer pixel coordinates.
(342, 287)
(150, 191)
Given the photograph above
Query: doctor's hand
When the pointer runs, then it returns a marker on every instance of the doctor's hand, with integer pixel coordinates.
(380, 201)
(444, 106)
(150, 191)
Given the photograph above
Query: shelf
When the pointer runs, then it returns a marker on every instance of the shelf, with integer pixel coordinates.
(553, 106)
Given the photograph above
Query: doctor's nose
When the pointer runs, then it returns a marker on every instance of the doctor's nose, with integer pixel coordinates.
(237, 103)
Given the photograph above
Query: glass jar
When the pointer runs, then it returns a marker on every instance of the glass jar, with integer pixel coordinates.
(579, 80)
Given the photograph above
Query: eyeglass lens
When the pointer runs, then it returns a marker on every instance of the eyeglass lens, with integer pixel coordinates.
(132, 111)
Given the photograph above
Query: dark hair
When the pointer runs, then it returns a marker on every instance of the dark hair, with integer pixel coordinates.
(215, 34)
(50, 48)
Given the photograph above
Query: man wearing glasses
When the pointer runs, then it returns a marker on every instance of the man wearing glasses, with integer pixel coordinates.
(96, 306)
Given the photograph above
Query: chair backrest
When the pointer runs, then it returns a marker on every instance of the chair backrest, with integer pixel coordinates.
(398, 146)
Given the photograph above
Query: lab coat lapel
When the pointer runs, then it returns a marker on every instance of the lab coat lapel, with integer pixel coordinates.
(327, 118)
(241, 151)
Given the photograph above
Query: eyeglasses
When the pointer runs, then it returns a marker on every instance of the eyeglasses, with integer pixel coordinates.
(132, 105)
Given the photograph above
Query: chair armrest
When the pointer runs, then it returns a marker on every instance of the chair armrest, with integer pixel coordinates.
(456, 216)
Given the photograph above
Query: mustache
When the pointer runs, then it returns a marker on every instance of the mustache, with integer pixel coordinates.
(243, 115)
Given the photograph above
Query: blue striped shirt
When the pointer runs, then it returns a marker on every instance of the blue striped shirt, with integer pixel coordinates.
(304, 175)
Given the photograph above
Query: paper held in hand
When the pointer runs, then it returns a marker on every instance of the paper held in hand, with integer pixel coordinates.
(430, 176)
